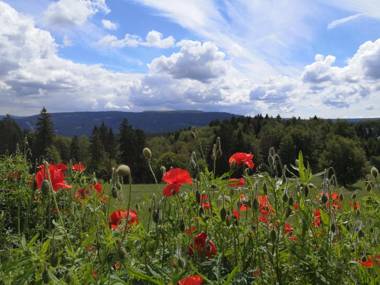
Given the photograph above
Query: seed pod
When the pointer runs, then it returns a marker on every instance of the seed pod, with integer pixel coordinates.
(198, 196)
(273, 235)
(255, 204)
(123, 170)
(223, 214)
(324, 198)
(291, 201)
(147, 153)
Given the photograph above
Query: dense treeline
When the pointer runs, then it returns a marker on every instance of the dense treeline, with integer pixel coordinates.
(349, 147)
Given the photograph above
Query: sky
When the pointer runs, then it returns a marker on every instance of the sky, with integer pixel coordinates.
(287, 57)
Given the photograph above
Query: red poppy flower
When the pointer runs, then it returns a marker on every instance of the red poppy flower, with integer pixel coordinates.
(244, 207)
(236, 214)
(367, 262)
(335, 203)
(317, 218)
(236, 182)
(296, 206)
(175, 178)
(265, 207)
(355, 205)
(241, 158)
(57, 176)
(202, 246)
(288, 229)
(78, 167)
(205, 202)
(98, 187)
(263, 219)
(191, 280)
(117, 216)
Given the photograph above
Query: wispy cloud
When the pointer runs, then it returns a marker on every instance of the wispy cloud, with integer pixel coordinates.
(345, 20)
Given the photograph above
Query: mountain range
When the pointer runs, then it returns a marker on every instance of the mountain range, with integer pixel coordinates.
(151, 122)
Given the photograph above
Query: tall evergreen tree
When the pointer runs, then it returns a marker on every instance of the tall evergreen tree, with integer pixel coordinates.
(44, 134)
(10, 134)
(97, 152)
(75, 149)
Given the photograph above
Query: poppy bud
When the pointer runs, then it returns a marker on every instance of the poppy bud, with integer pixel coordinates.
(223, 214)
(123, 170)
(163, 169)
(147, 153)
(306, 191)
(255, 204)
(156, 216)
(353, 197)
(181, 226)
(53, 259)
(324, 198)
(114, 192)
(333, 228)
(361, 234)
(291, 201)
(198, 196)
(201, 211)
(341, 197)
(45, 187)
(265, 189)
(285, 197)
(369, 187)
(374, 172)
(273, 235)
(219, 145)
(45, 276)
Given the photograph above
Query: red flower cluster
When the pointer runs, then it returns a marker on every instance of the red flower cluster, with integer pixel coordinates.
(117, 216)
(205, 201)
(370, 261)
(202, 246)
(57, 176)
(334, 200)
(265, 208)
(288, 230)
(236, 182)
(175, 178)
(317, 218)
(191, 280)
(78, 167)
(241, 158)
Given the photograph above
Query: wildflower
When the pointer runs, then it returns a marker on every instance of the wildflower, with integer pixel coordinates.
(265, 207)
(117, 216)
(367, 262)
(98, 187)
(288, 229)
(191, 280)
(202, 246)
(175, 178)
(78, 167)
(204, 200)
(241, 158)
(317, 218)
(56, 175)
(236, 214)
(191, 230)
(236, 182)
(81, 194)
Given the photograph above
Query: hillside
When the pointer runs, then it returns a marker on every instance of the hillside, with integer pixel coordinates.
(151, 122)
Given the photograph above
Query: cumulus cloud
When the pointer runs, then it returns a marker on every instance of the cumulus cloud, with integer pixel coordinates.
(73, 12)
(152, 39)
(109, 25)
(195, 60)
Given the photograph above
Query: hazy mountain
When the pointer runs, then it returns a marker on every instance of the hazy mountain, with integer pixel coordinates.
(82, 123)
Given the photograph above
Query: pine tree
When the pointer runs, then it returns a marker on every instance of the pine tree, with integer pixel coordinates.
(75, 149)
(44, 134)
(97, 152)
(10, 134)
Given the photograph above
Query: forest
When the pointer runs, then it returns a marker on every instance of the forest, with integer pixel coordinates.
(351, 147)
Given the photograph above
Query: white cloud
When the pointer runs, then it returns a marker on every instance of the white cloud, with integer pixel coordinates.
(109, 25)
(73, 12)
(195, 60)
(342, 21)
(153, 39)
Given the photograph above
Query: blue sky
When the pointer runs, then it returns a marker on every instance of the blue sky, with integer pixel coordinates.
(293, 58)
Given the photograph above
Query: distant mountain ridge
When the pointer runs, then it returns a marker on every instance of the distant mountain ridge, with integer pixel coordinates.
(151, 122)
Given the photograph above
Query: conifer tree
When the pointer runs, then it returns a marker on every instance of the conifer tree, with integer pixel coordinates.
(75, 149)
(10, 134)
(44, 134)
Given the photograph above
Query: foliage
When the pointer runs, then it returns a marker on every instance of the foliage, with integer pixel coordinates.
(271, 228)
